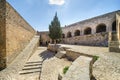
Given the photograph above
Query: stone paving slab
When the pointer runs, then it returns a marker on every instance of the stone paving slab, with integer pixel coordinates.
(107, 67)
(52, 66)
(79, 70)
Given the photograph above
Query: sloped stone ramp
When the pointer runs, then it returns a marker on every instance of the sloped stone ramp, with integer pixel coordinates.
(12, 71)
(79, 70)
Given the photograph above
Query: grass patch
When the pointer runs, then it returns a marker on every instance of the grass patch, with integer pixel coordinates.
(95, 57)
(65, 69)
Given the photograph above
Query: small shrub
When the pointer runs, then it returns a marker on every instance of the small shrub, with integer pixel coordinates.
(65, 69)
(95, 57)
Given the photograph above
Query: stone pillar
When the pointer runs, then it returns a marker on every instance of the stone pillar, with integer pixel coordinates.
(114, 37)
(2, 34)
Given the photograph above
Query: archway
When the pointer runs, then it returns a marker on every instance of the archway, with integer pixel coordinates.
(63, 35)
(101, 28)
(69, 35)
(87, 31)
(77, 33)
(114, 26)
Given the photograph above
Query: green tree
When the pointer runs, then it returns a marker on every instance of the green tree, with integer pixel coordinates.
(55, 31)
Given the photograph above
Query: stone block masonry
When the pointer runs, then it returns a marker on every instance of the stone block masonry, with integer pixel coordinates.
(15, 33)
(2, 34)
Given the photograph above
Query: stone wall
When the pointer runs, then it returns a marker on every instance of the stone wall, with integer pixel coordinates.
(106, 19)
(44, 37)
(114, 37)
(15, 33)
(98, 39)
(18, 33)
(2, 34)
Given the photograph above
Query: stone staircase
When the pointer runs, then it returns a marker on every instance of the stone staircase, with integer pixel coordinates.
(12, 71)
(31, 67)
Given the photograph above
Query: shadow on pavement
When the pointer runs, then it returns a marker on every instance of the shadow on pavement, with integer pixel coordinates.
(47, 54)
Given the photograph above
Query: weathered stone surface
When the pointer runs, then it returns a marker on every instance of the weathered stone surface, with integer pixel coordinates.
(79, 70)
(99, 39)
(52, 67)
(94, 38)
(18, 33)
(32, 71)
(53, 47)
(107, 65)
(114, 37)
(12, 71)
(2, 34)
(15, 33)
(60, 54)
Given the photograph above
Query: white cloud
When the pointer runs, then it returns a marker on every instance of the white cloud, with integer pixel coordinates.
(57, 2)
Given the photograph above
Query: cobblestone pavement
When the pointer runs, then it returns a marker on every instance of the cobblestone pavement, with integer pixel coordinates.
(107, 67)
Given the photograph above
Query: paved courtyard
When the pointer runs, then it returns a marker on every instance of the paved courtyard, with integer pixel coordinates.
(43, 65)
(107, 67)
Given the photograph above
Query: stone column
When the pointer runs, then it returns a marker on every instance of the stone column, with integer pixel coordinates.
(2, 34)
(114, 37)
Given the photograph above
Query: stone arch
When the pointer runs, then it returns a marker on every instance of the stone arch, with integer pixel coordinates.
(63, 35)
(77, 33)
(88, 30)
(69, 35)
(114, 26)
(101, 28)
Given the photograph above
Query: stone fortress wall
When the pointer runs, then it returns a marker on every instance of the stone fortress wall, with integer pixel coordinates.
(15, 33)
(92, 31)
(44, 38)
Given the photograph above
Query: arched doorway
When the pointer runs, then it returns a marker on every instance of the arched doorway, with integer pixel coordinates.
(114, 26)
(77, 33)
(69, 35)
(87, 31)
(63, 35)
(101, 28)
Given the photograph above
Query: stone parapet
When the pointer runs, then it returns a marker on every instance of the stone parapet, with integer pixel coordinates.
(98, 39)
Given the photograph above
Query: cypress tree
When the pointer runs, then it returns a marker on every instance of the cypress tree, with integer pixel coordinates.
(55, 31)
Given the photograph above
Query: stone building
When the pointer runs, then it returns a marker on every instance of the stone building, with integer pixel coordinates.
(15, 34)
(96, 31)
(92, 31)
(44, 38)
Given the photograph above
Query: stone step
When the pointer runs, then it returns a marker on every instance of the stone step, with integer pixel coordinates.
(29, 71)
(34, 62)
(27, 65)
(29, 68)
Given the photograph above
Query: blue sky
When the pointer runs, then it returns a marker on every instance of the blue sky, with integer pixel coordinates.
(39, 13)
